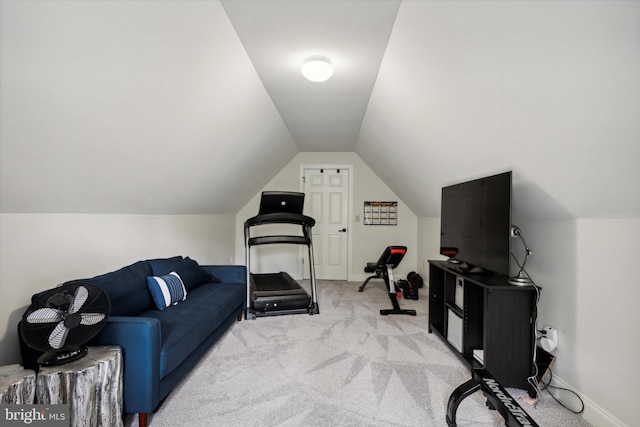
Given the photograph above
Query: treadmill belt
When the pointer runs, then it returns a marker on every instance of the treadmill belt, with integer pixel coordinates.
(274, 292)
(274, 282)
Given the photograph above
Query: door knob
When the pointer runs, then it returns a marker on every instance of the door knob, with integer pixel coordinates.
(344, 230)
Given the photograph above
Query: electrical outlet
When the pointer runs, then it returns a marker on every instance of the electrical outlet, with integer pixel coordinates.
(548, 337)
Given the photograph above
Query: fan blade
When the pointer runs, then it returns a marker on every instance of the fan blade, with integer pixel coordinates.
(58, 336)
(91, 318)
(79, 298)
(45, 315)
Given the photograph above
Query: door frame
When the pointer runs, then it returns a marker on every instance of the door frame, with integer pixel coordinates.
(348, 167)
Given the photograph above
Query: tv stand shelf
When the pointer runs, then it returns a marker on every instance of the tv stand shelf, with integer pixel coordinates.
(484, 313)
(457, 310)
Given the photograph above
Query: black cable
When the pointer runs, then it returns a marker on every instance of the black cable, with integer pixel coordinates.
(548, 385)
(533, 380)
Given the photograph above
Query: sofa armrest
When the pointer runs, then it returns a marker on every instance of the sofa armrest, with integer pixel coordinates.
(140, 339)
(227, 273)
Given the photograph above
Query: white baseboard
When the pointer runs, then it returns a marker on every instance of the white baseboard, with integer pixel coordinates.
(358, 277)
(594, 414)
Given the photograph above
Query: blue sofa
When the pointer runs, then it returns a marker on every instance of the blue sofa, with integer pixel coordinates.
(160, 345)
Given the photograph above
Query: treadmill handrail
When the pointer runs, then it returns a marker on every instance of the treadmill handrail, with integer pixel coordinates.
(280, 218)
(267, 240)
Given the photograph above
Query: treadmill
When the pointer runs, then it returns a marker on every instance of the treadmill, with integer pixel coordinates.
(272, 294)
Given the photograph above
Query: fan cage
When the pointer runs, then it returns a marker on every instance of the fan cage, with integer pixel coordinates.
(36, 335)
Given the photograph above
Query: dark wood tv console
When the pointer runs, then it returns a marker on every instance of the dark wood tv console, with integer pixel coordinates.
(488, 322)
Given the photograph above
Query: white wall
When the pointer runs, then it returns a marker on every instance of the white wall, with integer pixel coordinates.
(585, 269)
(40, 251)
(367, 242)
(428, 244)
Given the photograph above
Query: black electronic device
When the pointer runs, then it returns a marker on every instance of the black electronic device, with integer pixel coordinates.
(544, 362)
(498, 398)
(281, 202)
(476, 223)
(61, 320)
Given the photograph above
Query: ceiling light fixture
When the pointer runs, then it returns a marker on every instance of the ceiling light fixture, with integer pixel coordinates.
(317, 68)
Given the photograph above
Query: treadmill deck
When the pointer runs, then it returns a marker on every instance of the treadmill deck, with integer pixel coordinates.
(273, 293)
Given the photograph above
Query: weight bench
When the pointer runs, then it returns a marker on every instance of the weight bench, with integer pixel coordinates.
(383, 269)
(497, 398)
(392, 255)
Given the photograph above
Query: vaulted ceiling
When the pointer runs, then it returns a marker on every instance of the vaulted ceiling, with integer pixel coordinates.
(279, 35)
(191, 107)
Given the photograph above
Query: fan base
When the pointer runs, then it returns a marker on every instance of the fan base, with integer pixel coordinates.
(55, 358)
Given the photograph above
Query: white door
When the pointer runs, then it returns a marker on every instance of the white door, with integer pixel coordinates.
(327, 201)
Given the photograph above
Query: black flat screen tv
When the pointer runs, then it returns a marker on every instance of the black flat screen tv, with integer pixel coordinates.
(475, 227)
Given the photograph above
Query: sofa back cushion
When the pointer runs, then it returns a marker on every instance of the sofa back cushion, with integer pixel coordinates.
(188, 269)
(127, 289)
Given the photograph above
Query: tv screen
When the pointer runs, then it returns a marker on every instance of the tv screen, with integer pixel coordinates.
(475, 223)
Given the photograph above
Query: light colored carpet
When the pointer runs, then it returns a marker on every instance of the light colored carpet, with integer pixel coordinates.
(347, 366)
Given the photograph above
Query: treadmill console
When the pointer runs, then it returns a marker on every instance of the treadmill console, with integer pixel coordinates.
(281, 202)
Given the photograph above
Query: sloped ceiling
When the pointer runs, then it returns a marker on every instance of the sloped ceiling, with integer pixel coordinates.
(131, 107)
(171, 107)
(550, 90)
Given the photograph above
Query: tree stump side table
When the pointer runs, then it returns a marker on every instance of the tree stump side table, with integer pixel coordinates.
(17, 385)
(92, 386)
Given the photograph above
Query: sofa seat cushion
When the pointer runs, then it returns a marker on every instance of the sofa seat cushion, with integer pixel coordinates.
(186, 325)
